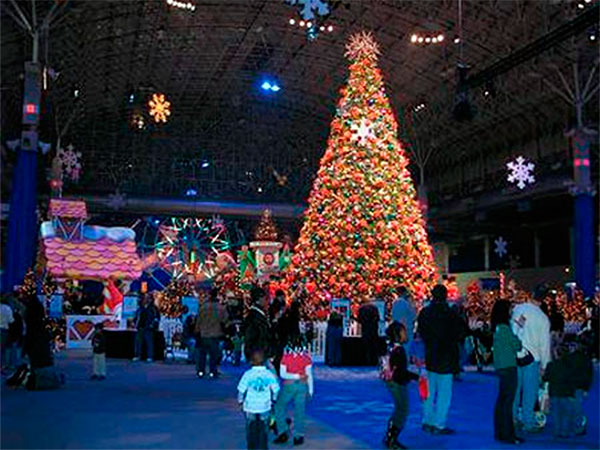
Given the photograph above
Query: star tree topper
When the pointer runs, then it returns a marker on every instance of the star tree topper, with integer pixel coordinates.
(362, 44)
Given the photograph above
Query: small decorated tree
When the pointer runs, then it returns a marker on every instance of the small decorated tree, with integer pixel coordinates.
(170, 304)
(266, 230)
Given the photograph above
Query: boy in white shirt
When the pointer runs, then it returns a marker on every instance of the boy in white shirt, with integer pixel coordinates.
(257, 392)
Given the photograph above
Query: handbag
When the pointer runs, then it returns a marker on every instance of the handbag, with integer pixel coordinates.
(525, 360)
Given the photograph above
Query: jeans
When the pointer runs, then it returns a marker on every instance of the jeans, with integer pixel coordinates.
(504, 427)
(256, 431)
(562, 415)
(578, 413)
(144, 335)
(296, 392)
(210, 347)
(528, 385)
(435, 407)
(99, 365)
(400, 395)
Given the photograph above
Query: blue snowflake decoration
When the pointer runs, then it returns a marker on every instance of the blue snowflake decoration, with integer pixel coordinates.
(308, 6)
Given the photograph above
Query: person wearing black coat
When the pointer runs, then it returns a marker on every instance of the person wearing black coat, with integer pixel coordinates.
(257, 329)
(37, 339)
(441, 329)
(368, 317)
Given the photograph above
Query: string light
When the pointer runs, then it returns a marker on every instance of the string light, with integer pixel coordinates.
(181, 5)
(417, 38)
(311, 26)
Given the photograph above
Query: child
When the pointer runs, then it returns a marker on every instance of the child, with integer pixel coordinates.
(257, 391)
(562, 384)
(396, 375)
(297, 376)
(99, 350)
(504, 349)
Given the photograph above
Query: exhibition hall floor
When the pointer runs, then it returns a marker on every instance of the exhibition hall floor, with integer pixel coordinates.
(161, 405)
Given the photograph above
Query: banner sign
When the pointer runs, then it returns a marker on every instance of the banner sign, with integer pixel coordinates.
(81, 328)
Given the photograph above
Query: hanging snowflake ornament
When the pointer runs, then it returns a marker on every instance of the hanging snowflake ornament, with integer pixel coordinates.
(159, 108)
(520, 172)
(362, 132)
(116, 200)
(362, 45)
(501, 247)
(308, 6)
(70, 162)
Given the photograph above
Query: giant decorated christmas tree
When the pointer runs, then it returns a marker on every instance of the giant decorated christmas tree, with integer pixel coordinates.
(364, 234)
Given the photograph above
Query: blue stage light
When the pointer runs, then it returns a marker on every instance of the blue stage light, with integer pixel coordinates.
(191, 192)
(270, 86)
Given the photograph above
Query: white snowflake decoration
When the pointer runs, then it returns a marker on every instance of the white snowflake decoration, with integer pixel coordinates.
(501, 247)
(520, 172)
(308, 6)
(70, 161)
(362, 132)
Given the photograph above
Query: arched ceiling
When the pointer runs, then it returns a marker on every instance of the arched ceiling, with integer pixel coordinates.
(210, 63)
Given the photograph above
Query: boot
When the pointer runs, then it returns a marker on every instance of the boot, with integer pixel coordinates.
(391, 436)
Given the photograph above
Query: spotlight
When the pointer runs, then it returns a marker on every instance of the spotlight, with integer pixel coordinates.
(486, 92)
(270, 86)
(309, 24)
(588, 1)
(131, 97)
(420, 40)
(580, 5)
(322, 28)
(592, 37)
(292, 21)
(414, 38)
(427, 40)
(330, 28)
(457, 40)
(434, 40)
(440, 37)
(260, 189)
(76, 93)
(205, 164)
(191, 192)
(302, 23)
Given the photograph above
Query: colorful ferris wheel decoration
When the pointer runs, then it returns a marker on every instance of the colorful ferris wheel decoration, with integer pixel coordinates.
(159, 108)
(193, 248)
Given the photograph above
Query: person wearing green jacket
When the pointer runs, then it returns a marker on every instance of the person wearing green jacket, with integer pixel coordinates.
(505, 348)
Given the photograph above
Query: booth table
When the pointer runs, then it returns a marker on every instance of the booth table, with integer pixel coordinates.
(121, 344)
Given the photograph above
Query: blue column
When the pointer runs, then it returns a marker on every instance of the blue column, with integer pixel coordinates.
(22, 220)
(584, 243)
(584, 213)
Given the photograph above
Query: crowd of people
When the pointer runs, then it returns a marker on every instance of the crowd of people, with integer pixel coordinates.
(527, 349)
(526, 342)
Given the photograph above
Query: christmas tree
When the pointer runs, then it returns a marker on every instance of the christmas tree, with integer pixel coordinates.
(170, 304)
(266, 230)
(364, 234)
